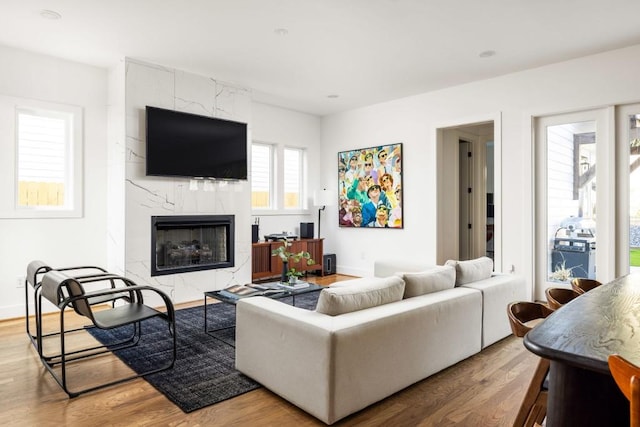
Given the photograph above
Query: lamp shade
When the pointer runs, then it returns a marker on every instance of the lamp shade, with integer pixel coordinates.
(324, 197)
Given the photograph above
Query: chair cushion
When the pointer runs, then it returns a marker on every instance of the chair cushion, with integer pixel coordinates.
(354, 295)
(472, 270)
(425, 282)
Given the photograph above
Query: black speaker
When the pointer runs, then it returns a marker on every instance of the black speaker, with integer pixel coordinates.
(329, 264)
(255, 233)
(306, 230)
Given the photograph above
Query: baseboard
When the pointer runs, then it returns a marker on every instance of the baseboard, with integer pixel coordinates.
(350, 271)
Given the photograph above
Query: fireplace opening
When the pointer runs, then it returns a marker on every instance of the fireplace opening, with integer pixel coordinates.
(190, 243)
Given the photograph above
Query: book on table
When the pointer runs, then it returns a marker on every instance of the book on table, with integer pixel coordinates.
(249, 290)
(298, 285)
(240, 291)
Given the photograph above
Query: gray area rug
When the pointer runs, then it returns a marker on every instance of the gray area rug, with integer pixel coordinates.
(204, 372)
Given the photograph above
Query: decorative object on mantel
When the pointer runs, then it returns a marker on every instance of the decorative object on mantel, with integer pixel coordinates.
(286, 257)
(323, 198)
(370, 187)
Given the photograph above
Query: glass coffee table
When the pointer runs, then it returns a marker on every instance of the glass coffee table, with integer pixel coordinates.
(272, 293)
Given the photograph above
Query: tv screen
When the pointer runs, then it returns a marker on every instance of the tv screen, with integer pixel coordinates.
(189, 145)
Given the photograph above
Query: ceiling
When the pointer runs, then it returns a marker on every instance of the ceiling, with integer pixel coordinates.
(336, 54)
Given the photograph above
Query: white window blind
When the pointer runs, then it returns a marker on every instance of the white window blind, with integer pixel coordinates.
(292, 178)
(261, 176)
(44, 158)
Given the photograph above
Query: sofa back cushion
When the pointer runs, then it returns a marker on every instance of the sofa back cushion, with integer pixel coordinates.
(358, 294)
(434, 279)
(472, 270)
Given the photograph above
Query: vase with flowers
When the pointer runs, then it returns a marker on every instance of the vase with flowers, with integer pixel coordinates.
(291, 274)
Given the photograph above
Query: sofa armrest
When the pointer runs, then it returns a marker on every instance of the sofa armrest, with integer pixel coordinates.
(497, 292)
(280, 346)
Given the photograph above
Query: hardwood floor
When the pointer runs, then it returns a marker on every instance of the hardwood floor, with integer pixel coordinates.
(484, 390)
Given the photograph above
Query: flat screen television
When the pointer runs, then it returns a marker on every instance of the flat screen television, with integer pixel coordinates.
(188, 145)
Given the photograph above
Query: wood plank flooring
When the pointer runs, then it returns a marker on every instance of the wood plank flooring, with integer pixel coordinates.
(484, 390)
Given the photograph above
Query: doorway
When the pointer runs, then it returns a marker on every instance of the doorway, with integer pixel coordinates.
(467, 194)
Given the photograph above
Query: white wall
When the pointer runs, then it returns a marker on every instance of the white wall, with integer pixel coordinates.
(287, 128)
(604, 79)
(110, 231)
(58, 242)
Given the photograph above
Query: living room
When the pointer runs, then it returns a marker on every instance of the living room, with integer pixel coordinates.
(118, 198)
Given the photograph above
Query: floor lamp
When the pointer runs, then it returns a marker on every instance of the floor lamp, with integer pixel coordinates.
(323, 198)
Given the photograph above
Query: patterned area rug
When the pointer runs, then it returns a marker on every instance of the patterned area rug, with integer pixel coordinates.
(204, 371)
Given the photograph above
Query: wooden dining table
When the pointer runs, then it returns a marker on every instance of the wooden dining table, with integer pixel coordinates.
(578, 339)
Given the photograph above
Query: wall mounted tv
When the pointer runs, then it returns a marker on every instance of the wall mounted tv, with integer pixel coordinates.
(189, 145)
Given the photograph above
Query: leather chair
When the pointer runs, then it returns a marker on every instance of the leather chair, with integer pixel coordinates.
(68, 292)
(582, 285)
(557, 297)
(522, 318)
(627, 376)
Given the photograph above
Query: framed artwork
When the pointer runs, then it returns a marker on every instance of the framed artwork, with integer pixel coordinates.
(370, 187)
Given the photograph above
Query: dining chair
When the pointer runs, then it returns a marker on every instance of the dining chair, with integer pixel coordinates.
(557, 297)
(627, 376)
(582, 285)
(523, 316)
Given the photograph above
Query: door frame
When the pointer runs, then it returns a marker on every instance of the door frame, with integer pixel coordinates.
(447, 186)
(605, 197)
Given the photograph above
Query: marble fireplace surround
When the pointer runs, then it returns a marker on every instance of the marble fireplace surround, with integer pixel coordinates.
(134, 198)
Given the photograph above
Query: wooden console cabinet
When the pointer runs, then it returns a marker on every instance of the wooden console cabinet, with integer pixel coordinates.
(264, 266)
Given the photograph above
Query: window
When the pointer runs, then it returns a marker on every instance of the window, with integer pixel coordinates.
(44, 142)
(292, 178)
(261, 176)
(277, 177)
(46, 174)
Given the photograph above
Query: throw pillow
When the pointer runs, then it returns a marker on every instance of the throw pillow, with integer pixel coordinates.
(425, 282)
(359, 294)
(472, 270)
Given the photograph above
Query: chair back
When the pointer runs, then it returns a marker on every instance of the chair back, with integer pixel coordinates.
(557, 297)
(57, 287)
(34, 269)
(523, 312)
(582, 285)
(627, 376)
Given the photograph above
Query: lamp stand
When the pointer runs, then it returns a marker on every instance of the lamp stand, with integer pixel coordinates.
(319, 210)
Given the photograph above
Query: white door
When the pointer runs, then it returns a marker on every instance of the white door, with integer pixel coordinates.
(575, 199)
(628, 188)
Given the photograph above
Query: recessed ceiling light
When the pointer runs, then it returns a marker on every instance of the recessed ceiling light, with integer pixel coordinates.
(487, 54)
(333, 96)
(281, 31)
(50, 14)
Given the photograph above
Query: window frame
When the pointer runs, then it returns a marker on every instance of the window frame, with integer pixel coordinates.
(73, 206)
(277, 181)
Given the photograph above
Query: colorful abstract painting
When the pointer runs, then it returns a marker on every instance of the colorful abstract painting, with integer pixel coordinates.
(370, 187)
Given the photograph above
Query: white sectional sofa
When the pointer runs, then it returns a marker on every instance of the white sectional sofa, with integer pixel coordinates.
(369, 338)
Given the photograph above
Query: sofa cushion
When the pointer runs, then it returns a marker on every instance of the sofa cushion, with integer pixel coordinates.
(425, 282)
(354, 295)
(472, 270)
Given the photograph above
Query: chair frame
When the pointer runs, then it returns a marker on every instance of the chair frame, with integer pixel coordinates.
(627, 377)
(68, 293)
(35, 270)
(533, 408)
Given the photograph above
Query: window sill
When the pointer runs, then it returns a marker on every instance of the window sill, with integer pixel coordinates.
(280, 212)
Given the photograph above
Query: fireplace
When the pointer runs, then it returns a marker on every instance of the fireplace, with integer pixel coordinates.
(186, 243)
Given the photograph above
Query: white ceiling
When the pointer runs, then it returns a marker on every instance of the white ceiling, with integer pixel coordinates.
(365, 51)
